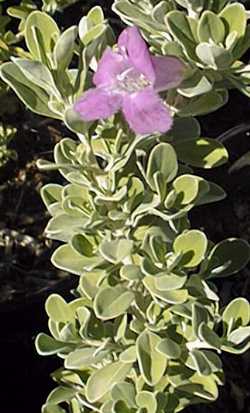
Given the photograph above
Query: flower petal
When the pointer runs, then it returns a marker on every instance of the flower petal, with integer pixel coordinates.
(137, 51)
(97, 104)
(146, 113)
(110, 65)
(169, 72)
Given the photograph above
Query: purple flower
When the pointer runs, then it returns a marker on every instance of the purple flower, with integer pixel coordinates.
(129, 79)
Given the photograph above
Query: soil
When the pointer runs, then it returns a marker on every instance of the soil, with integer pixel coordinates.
(27, 277)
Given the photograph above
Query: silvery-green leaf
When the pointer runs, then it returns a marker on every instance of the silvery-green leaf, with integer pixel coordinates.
(37, 73)
(239, 335)
(170, 282)
(64, 48)
(227, 257)
(58, 310)
(61, 394)
(33, 96)
(204, 104)
(129, 355)
(162, 160)
(236, 313)
(89, 282)
(147, 400)
(211, 27)
(131, 272)
(201, 363)
(42, 23)
(216, 57)
(103, 379)
(67, 259)
(171, 297)
(187, 188)
(192, 245)
(115, 251)
(234, 17)
(169, 348)
(80, 359)
(152, 363)
(201, 152)
(181, 29)
(195, 86)
(46, 345)
(110, 302)
(124, 391)
(209, 336)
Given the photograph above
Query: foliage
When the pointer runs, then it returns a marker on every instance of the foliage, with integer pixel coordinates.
(145, 330)
(6, 134)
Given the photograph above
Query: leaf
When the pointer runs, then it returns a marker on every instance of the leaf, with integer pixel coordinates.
(80, 359)
(216, 57)
(67, 259)
(64, 48)
(147, 400)
(102, 380)
(170, 282)
(46, 345)
(115, 251)
(58, 310)
(162, 160)
(209, 336)
(42, 23)
(239, 335)
(152, 363)
(37, 73)
(124, 391)
(61, 394)
(201, 363)
(187, 188)
(204, 104)
(110, 302)
(234, 17)
(179, 26)
(192, 245)
(201, 152)
(169, 348)
(211, 27)
(236, 313)
(171, 297)
(227, 257)
(34, 97)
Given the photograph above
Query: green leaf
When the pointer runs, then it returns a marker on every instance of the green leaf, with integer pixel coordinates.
(201, 363)
(152, 363)
(115, 251)
(33, 96)
(46, 345)
(61, 394)
(187, 188)
(110, 302)
(216, 57)
(238, 336)
(82, 245)
(171, 297)
(80, 359)
(234, 17)
(169, 348)
(204, 104)
(124, 391)
(209, 336)
(162, 161)
(202, 152)
(42, 23)
(179, 26)
(102, 380)
(67, 259)
(91, 26)
(170, 282)
(227, 257)
(58, 310)
(147, 400)
(236, 313)
(211, 27)
(64, 48)
(129, 355)
(192, 245)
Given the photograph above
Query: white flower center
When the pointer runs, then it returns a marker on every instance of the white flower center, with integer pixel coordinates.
(131, 81)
